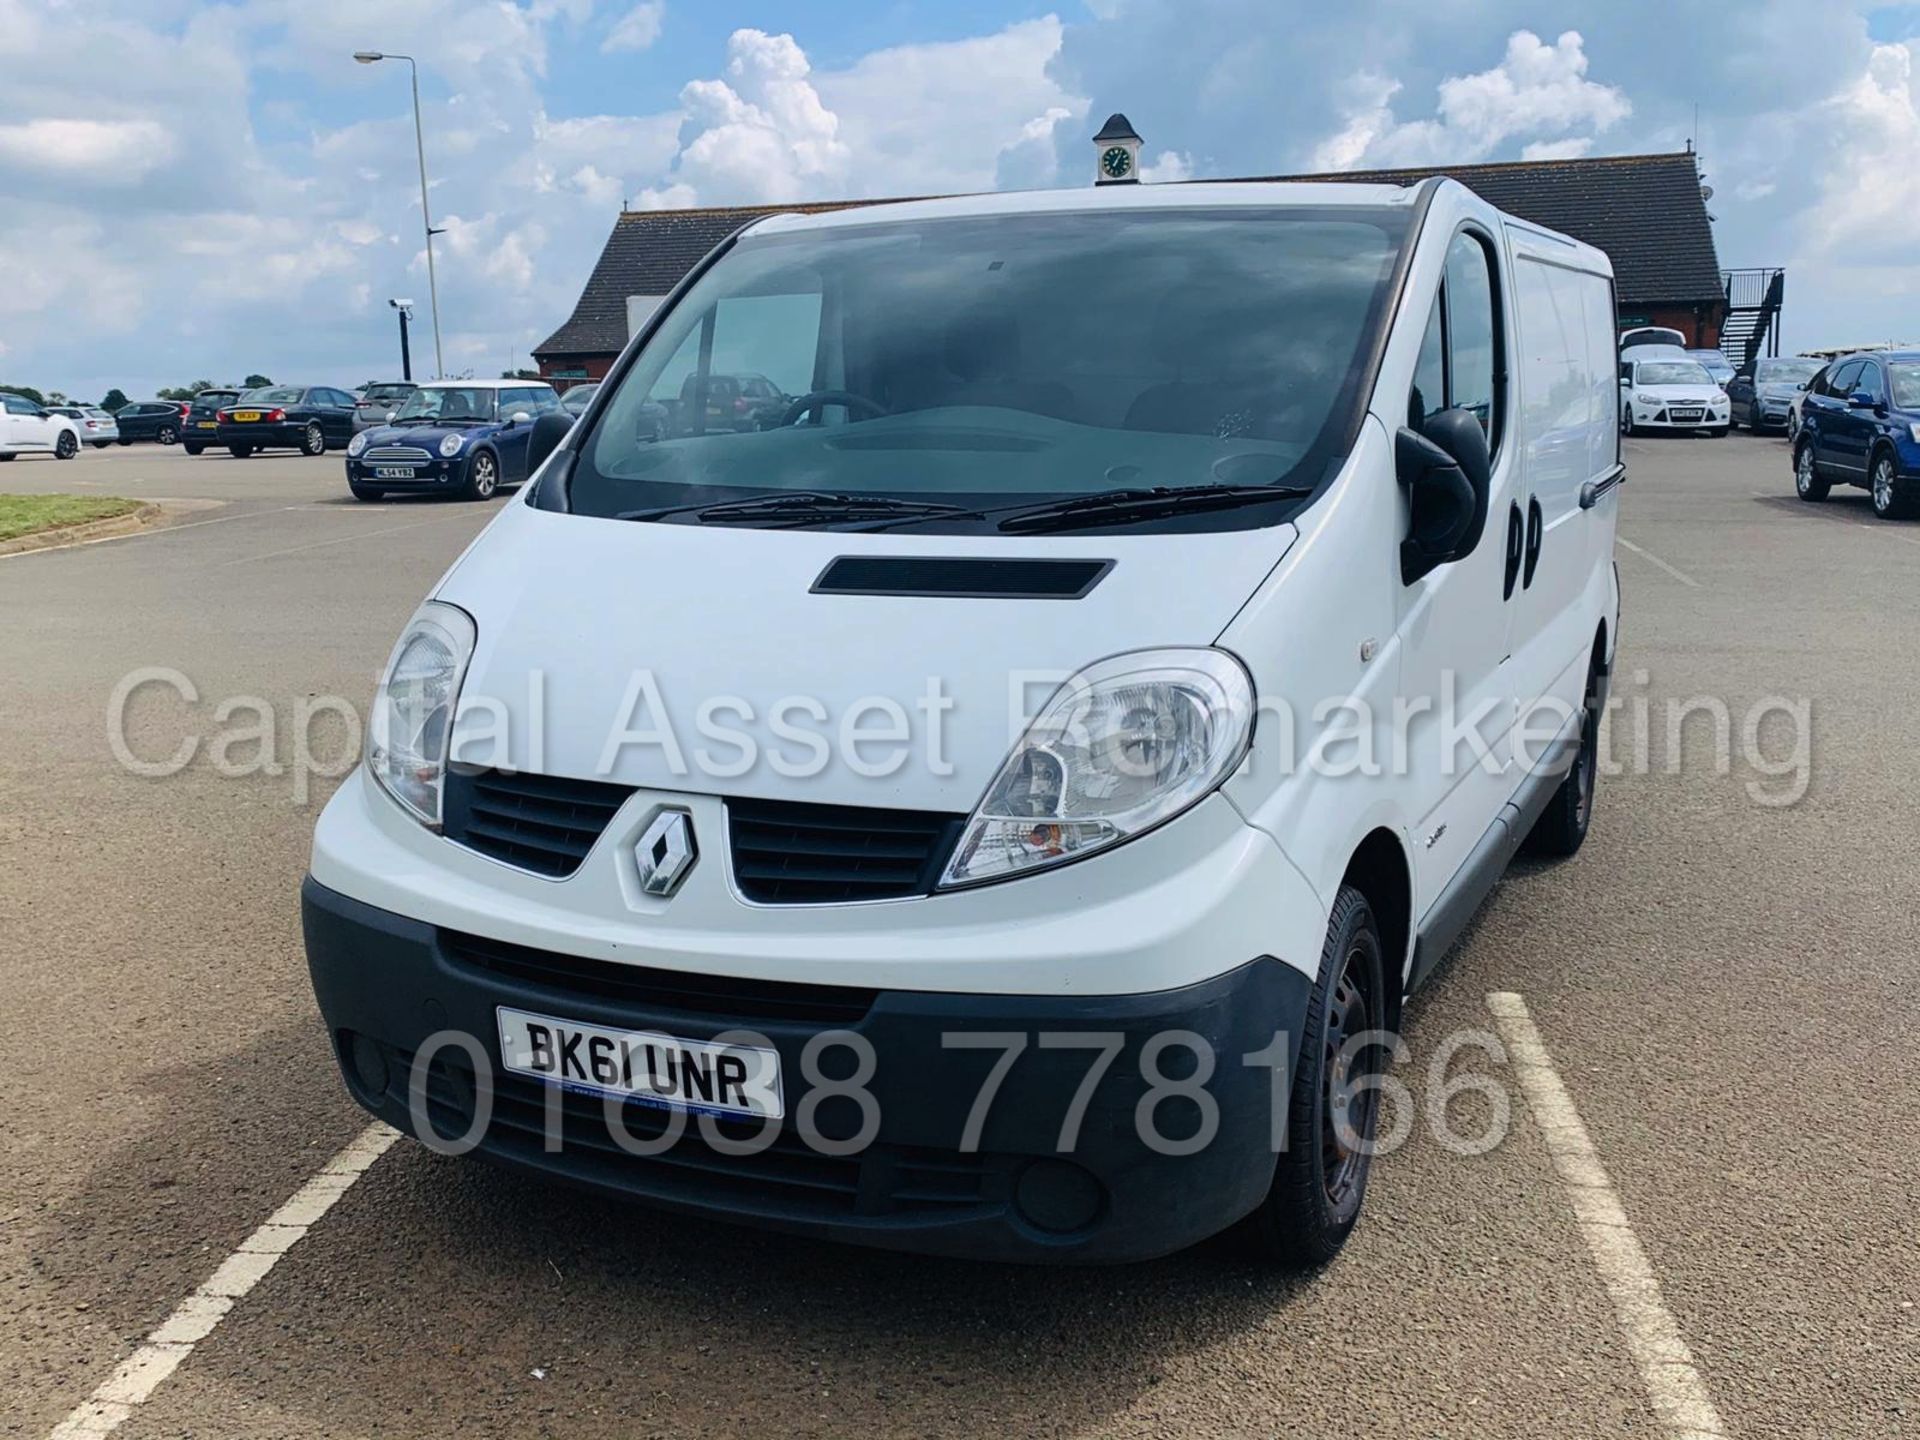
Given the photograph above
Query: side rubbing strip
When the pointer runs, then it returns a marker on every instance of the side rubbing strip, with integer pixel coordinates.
(961, 578)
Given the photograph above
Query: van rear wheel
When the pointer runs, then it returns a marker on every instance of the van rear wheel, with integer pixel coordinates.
(1320, 1180)
(1562, 827)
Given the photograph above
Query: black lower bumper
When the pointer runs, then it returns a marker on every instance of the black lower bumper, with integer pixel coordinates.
(386, 984)
(259, 437)
(438, 473)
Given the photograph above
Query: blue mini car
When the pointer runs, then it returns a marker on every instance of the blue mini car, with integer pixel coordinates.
(451, 437)
(1860, 425)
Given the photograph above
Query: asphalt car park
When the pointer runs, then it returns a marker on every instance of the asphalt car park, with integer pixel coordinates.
(1720, 982)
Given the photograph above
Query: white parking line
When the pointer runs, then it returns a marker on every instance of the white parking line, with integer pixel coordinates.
(140, 1374)
(1651, 559)
(1673, 1383)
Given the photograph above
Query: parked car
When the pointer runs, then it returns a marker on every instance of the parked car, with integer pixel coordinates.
(379, 400)
(466, 437)
(202, 421)
(1669, 393)
(1719, 369)
(576, 399)
(1798, 403)
(309, 418)
(1762, 398)
(27, 428)
(1653, 335)
(734, 402)
(1269, 490)
(97, 426)
(1861, 426)
(158, 420)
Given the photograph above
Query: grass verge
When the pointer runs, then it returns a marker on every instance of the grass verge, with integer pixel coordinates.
(27, 514)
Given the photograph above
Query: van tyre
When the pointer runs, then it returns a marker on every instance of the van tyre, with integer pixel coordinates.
(1562, 827)
(313, 441)
(483, 476)
(1807, 480)
(65, 446)
(1891, 499)
(1320, 1181)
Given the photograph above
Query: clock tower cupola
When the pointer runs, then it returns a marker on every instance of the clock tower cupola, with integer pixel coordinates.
(1117, 153)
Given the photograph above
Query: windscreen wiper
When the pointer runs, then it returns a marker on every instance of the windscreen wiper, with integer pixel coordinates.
(1117, 506)
(798, 507)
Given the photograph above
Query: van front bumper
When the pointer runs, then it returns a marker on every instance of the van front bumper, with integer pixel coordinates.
(386, 983)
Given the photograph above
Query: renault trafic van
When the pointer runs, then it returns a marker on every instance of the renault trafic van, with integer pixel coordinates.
(994, 801)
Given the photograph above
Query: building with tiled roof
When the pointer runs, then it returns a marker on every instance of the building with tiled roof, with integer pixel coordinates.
(1648, 212)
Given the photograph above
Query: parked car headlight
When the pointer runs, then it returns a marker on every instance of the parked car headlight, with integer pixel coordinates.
(1122, 746)
(413, 710)
(1645, 399)
(450, 446)
(357, 443)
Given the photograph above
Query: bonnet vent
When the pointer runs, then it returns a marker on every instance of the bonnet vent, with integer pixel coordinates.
(963, 578)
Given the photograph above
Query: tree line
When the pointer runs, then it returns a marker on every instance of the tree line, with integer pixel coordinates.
(116, 398)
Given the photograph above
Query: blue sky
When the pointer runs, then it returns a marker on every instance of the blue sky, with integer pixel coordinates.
(193, 190)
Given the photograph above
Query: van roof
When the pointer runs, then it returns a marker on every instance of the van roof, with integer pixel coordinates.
(1204, 195)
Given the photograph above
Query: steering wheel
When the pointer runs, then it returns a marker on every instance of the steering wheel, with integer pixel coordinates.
(819, 399)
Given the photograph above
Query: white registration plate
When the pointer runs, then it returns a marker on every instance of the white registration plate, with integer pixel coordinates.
(644, 1066)
(1686, 414)
(393, 472)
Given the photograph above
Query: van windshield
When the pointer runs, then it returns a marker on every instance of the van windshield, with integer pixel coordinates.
(991, 364)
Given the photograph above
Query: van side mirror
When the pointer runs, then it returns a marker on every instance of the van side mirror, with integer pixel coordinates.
(548, 431)
(1447, 471)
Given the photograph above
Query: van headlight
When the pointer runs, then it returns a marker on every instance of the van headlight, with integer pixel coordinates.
(357, 443)
(1123, 746)
(413, 710)
(450, 445)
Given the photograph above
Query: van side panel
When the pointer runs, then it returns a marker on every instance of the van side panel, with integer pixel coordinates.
(1568, 421)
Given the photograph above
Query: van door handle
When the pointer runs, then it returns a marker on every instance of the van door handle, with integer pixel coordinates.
(1536, 524)
(1515, 543)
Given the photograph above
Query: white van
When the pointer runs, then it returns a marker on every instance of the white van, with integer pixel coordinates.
(991, 796)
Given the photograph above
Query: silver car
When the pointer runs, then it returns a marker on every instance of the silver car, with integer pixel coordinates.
(98, 428)
(378, 401)
(1763, 398)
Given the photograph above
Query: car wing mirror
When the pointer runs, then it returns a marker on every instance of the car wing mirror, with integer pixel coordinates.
(548, 431)
(1860, 400)
(519, 417)
(1447, 472)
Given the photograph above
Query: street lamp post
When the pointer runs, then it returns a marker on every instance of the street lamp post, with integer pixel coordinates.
(405, 307)
(369, 57)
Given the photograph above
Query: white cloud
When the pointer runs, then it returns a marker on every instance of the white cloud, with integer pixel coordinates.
(1169, 167)
(101, 151)
(637, 29)
(1569, 149)
(1537, 90)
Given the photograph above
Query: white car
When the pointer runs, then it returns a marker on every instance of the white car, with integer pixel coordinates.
(98, 428)
(30, 429)
(1668, 392)
(997, 806)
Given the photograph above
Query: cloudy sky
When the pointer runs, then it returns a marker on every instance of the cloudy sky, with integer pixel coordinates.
(202, 190)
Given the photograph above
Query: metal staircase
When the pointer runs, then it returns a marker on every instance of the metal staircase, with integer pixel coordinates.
(1752, 326)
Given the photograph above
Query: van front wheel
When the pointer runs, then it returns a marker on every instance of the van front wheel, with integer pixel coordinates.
(1332, 1109)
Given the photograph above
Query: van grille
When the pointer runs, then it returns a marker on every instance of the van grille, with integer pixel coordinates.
(542, 823)
(786, 853)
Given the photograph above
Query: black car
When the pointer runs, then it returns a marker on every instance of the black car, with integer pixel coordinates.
(202, 421)
(159, 420)
(309, 418)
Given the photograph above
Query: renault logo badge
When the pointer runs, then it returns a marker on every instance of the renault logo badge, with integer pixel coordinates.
(665, 852)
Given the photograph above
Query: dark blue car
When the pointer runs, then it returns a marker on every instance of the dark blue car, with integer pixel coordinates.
(451, 437)
(1860, 425)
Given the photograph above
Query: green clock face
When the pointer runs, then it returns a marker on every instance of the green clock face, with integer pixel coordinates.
(1117, 162)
